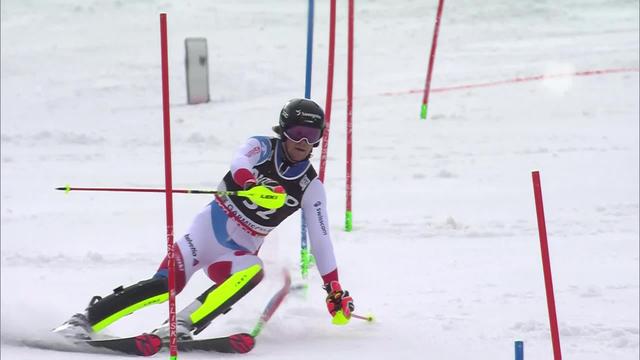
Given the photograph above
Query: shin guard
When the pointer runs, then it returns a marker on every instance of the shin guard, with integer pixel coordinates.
(219, 298)
(124, 301)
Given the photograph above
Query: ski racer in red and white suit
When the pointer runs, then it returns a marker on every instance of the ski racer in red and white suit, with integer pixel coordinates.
(225, 237)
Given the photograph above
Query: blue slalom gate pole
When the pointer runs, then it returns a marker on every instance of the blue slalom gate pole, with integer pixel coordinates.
(307, 83)
(519, 346)
(305, 255)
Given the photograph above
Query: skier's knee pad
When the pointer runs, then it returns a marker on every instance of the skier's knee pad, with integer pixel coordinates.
(219, 298)
(221, 269)
(124, 301)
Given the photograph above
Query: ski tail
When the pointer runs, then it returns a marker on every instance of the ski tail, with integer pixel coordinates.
(240, 343)
(142, 345)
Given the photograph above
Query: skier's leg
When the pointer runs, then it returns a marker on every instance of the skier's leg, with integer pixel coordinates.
(102, 312)
(236, 274)
(218, 299)
(235, 269)
(212, 245)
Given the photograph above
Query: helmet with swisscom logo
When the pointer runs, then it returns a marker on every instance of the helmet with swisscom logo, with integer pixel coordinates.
(303, 112)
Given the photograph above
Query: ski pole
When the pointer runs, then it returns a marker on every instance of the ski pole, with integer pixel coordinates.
(273, 304)
(368, 318)
(260, 195)
(340, 319)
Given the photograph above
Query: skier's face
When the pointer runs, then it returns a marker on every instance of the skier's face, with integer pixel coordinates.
(297, 151)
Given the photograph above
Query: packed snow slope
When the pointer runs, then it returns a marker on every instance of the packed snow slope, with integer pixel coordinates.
(444, 251)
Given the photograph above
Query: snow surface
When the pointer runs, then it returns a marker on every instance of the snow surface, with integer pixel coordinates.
(445, 250)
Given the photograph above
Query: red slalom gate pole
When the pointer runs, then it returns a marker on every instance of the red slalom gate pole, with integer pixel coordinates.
(173, 344)
(546, 266)
(327, 107)
(432, 57)
(348, 223)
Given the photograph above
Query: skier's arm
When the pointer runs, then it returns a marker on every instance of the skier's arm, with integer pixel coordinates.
(314, 203)
(254, 151)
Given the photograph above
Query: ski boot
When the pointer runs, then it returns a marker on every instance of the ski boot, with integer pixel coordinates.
(77, 328)
(183, 330)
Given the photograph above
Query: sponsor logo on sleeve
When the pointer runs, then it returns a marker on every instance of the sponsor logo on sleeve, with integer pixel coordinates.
(252, 152)
(323, 227)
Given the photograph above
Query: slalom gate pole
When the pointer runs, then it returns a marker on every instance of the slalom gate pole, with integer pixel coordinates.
(546, 266)
(307, 82)
(432, 57)
(173, 343)
(327, 107)
(348, 223)
(519, 349)
(305, 255)
(307, 259)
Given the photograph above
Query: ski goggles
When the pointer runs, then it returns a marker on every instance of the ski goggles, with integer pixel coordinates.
(298, 133)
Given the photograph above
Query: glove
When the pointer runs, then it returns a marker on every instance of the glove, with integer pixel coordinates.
(277, 189)
(245, 178)
(249, 184)
(338, 299)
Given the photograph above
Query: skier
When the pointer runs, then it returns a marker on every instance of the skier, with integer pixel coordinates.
(225, 237)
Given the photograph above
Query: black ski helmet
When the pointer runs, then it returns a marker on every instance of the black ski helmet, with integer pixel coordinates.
(302, 112)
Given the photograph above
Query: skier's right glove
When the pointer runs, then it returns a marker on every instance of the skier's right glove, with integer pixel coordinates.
(251, 183)
(338, 299)
(245, 178)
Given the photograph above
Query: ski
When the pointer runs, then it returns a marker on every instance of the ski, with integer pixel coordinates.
(142, 345)
(237, 343)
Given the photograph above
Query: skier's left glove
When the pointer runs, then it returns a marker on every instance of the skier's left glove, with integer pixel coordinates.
(338, 299)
